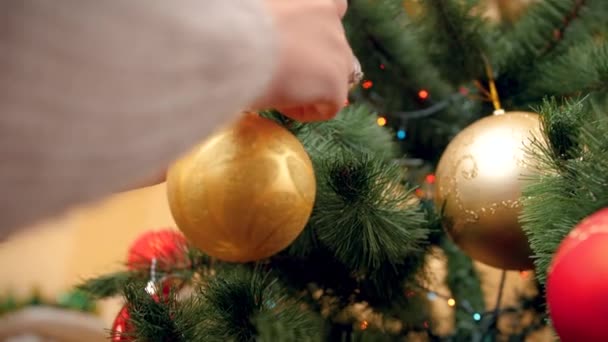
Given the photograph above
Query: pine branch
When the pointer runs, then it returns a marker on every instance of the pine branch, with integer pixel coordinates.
(533, 36)
(354, 130)
(561, 128)
(289, 323)
(384, 287)
(366, 151)
(363, 218)
(151, 316)
(108, 285)
(360, 224)
(451, 30)
(587, 21)
(559, 32)
(320, 268)
(533, 57)
(362, 214)
(587, 60)
(363, 237)
(395, 58)
(381, 34)
(571, 185)
(305, 244)
(245, 305)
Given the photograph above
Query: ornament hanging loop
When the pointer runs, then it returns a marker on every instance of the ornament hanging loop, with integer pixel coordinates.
(493, 91)
(151, 286)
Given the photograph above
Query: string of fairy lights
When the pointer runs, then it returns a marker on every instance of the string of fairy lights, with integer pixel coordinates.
(463, 305)
(422, 95)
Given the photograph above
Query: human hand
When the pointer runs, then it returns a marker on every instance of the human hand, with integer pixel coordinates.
(315, 61)
(156, 178)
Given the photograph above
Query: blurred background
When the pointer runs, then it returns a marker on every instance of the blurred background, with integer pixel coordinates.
(50, 258)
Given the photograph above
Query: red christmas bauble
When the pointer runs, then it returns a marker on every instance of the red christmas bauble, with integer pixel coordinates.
(122, 328)
(577, 283)
(167, 246)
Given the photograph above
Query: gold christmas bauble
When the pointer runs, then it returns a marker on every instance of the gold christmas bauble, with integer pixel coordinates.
(245, 193)
(479, 181)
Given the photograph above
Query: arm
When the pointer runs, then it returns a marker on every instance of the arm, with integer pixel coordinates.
(95, 95)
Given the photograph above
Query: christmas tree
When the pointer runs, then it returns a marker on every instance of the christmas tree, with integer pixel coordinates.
(437, 73)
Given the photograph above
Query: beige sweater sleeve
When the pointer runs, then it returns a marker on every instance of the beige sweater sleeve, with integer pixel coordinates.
(95, 95)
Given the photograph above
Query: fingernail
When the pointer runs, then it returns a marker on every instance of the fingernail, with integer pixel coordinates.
(357, 74)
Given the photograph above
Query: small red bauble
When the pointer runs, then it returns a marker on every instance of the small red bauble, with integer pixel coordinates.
(577, 283)
(122, 328)
(167, 246)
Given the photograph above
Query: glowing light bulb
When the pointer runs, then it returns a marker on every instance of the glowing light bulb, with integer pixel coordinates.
(401, 134)
(367, 84)
(451, 302)
(423, 94)
(430, 178)
(477, 316)
(381, 121)
(363, 325)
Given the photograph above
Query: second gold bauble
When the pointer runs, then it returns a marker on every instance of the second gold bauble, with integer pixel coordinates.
(479, 181)
(245, 193)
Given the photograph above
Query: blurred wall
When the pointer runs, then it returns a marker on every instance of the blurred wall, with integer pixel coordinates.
(59, 253)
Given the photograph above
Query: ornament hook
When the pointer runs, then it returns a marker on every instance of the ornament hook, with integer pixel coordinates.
(151, 286)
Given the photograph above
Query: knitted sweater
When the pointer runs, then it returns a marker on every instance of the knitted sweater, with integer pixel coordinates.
(96, 95)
